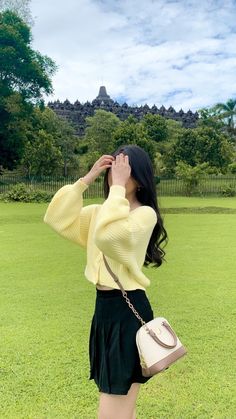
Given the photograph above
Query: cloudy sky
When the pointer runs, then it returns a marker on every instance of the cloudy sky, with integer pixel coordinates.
(180, 53)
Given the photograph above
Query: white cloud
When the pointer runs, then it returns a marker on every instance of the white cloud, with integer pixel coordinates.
(179, 53)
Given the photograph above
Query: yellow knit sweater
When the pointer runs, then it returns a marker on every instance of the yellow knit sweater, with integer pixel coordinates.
(122, 235)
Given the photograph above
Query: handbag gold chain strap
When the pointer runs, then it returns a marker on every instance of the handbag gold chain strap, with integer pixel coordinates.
(116, 279)
(150, 331)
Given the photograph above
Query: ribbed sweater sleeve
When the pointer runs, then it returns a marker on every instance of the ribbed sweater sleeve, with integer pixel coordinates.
(66, 214)
(118, 230)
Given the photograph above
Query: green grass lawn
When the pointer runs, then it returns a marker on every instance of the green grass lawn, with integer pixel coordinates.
(47, 305)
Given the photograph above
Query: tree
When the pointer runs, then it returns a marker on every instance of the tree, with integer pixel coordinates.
(174, 131)
(51, 145)
(21, 68)
(132, 132)
(156, 127)
(25, 75)
(209, 118)
(13, 128)
(216, 117)
(213, 147)
(99, 131)
(19, 7)
(67, 142)
(199, 145)
(184, 148)
(227, 111)
(42, 156)
(64, 134)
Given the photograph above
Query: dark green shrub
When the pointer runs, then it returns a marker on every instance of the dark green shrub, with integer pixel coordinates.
(232, 167)
(228, 191)
(23, 193)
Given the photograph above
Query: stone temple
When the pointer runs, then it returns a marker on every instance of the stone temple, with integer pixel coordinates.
(78, 112)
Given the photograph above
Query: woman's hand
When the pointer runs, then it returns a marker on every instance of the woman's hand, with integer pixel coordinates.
(120, 170)
(101, 164)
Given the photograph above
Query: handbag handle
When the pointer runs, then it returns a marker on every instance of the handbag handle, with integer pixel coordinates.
(150, 331)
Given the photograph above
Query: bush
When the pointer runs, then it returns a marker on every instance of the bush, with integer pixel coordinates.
(191, 176)
(232, 168)
(228, 191)
(24, 193)
(213, 170)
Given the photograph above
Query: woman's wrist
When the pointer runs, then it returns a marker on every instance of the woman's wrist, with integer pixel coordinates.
(86, 179)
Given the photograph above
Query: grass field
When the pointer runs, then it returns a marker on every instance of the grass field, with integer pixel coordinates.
(47, 305)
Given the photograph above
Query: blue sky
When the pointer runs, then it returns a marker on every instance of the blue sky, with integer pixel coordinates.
(180, 53)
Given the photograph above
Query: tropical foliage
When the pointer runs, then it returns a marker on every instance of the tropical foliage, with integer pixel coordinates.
(25, 75)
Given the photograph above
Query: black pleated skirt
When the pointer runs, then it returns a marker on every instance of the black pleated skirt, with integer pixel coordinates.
(113, 354)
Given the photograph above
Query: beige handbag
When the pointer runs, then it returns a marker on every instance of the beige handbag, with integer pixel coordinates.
(158, 346)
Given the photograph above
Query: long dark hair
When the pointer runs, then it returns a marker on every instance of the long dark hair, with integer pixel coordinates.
(142, 172)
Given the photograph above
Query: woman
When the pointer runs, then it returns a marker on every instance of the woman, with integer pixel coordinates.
(128, 229)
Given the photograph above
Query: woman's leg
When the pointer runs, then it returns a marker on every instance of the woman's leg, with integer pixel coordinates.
(114, 406)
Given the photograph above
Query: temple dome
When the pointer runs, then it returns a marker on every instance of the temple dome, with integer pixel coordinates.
(103, 97)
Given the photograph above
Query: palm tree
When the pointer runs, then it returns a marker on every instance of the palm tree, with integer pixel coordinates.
(227, 111)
